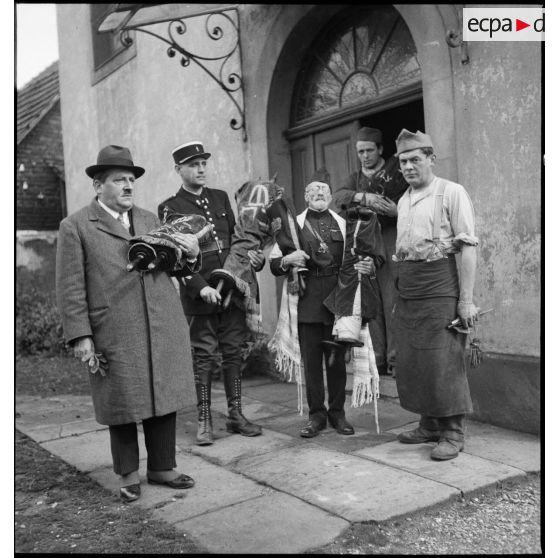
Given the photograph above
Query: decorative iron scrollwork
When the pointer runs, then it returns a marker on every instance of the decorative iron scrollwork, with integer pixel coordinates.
(217, 67)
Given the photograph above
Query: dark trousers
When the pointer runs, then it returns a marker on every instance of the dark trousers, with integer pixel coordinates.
(210, 334)
(380, 327)
(160, 442)
(310, 339)
(452, 427)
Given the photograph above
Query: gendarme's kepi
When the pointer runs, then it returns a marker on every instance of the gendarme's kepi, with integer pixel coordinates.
(188, 151)
(407, 141)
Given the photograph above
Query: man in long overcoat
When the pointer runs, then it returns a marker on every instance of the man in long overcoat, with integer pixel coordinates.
(129, 322)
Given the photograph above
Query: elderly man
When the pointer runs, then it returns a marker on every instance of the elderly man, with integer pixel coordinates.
(435, 223)
(324, 233)
(212, 328)
(126, 326)
(379, 184)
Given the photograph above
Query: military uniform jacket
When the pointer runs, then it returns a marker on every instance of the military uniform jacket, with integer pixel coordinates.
(387, 181)
(321, 278)
(215, 206)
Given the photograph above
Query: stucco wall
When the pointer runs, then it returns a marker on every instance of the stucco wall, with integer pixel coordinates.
(498, 123)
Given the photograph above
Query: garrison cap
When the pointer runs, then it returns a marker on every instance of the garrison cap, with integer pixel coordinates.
(188, 151)
(407, 141)
(370, 134)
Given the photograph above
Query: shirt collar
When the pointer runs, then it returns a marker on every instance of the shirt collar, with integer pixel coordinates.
(113, 213)
(379, 165)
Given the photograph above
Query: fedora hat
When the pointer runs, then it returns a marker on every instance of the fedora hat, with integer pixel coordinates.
(188, 151)
(114, 156)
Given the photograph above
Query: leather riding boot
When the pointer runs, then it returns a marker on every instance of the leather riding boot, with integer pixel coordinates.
(204, 436)
(236, 421)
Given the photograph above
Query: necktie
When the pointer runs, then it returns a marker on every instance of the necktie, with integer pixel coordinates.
(120, 219)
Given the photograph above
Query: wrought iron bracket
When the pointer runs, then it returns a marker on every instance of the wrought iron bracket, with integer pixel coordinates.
(230, 82)
(454, 39)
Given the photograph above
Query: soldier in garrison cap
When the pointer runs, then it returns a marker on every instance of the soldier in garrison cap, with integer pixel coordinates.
(435, 221)
(212, 329)
(377, 184)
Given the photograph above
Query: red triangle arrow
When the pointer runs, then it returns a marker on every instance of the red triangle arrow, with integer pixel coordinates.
(519, 25)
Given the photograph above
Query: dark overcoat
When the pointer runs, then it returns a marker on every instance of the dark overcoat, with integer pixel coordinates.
(135, 319)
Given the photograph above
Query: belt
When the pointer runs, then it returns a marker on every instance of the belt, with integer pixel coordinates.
(214, 247)
(324, 272)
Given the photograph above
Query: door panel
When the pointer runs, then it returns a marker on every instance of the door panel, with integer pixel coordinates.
(335, 150)
(302, 164)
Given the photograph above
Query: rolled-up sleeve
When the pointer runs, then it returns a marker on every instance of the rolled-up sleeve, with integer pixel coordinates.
(462, 216)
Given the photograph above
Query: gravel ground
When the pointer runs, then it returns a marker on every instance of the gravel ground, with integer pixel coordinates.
(504, 520)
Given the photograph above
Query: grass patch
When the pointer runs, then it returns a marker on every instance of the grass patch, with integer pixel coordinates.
(51, 375)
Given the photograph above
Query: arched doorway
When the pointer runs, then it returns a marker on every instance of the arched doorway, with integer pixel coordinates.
(362, 70)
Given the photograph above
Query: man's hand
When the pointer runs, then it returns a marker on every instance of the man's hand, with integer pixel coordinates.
(384, 206)
(297, 259)
(381, 204)
(468, 313)
(257, 259)
(84, 348)
(188, 243)
(210, 295)
(366, 266)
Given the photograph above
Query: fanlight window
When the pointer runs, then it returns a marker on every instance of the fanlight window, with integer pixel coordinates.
(357, 62)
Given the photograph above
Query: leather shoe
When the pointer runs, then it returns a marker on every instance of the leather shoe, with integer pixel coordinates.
(446, 449)
(341, 425)
(182, 481)
(130, 493)
(312, 429)
(418, 436)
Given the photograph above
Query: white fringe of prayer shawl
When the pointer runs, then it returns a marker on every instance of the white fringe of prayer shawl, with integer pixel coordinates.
(285, 342)
(366, 379)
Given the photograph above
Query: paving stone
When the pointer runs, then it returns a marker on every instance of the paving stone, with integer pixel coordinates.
(215, 488)
(347, 444)
(272, 524)
(513, 448)
(43, 433)
(274, 392)
(388, 387)
(228, 451)
(255, 410)
(466, 473)
(516, 449)
(347, 485)
(390, 415)
(86, 452)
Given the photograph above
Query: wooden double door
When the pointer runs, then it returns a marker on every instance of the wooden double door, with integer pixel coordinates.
(335, 147)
